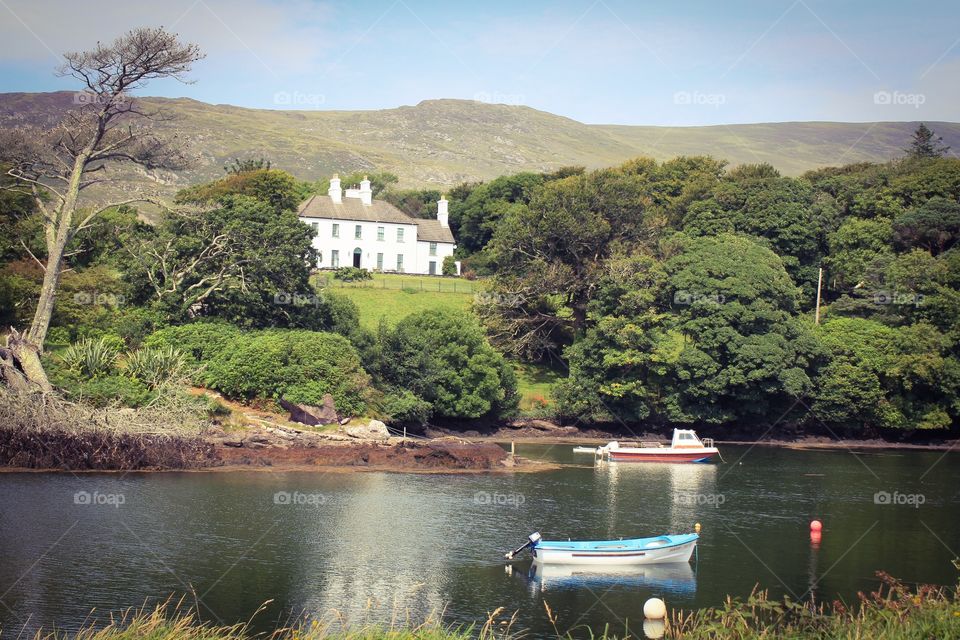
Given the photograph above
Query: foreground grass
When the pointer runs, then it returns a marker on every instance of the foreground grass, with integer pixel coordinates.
(893, 612)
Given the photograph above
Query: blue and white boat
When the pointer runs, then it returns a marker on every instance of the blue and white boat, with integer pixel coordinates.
(634, 551)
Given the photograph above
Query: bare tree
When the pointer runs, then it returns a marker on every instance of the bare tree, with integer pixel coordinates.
(56, 165)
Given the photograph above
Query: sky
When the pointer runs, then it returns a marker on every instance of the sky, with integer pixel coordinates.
(670, 62)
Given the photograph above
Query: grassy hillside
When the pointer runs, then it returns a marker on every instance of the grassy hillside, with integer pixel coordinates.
(443, 142)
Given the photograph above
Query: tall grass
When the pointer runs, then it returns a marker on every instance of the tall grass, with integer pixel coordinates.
(893, 612)
(91, 357)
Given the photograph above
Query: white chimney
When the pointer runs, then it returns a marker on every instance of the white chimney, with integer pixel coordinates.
(366, 194)
(442, 213)
(335, 192)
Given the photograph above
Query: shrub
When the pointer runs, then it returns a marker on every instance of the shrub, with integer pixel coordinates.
(443, 358)
(199, 342)
(449, 267)
(352, 274)
(109, 390)
(92, 357)
(295, 364)
(155, 366)
(405, 407)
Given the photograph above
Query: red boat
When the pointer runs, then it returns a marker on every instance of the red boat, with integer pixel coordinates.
(685, 447)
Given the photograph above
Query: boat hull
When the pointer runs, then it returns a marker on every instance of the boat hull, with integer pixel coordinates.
(665, 549)
(665, 455)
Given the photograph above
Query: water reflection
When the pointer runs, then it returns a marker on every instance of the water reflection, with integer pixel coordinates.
(392, 564)
(677, 578)
(691, 487)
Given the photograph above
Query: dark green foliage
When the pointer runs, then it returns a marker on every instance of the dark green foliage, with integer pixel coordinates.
(277, 188)
(443, 358)
(300, 366)
(449, 266)
(200, 342)
(934, 225)
(926, 144)
(248, 164)
(352, 274)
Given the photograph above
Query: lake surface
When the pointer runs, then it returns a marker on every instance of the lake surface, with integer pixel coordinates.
(382, 547)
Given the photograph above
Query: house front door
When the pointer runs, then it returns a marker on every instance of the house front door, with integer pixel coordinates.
(433, 267)
(356, 257)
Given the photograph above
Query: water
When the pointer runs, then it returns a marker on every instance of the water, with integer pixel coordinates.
(382, 547)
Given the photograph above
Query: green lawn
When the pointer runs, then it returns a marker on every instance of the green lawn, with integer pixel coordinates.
(535, 383)
(394, 297)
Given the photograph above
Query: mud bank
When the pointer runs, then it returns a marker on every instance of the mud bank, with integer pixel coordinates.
(22, 449)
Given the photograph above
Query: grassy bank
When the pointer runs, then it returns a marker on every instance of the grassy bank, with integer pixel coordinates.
(393, 297)
(893, 612)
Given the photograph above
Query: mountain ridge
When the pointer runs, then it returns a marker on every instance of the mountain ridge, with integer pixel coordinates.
(440, 142)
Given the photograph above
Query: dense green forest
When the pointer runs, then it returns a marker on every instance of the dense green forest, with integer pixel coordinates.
(681, 292)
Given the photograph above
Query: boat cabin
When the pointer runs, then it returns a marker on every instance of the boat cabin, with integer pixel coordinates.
(687, 439)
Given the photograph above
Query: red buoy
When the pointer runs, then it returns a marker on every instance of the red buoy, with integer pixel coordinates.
(816, 525)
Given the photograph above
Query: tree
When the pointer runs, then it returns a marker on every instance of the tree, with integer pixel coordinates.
(242, 261)
(745, 354)
(239, 166)
(935, 225)
(276, 187)
(926, 144)
(109, 128)
(443, 358)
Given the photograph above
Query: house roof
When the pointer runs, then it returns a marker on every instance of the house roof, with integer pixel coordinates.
(432, 231)
(320, 206)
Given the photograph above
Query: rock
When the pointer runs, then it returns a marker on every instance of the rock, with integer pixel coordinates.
(374, 430)
(233, 443)
(345, 421)
(309, 414)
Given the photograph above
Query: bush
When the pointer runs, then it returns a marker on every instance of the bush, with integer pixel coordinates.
(199, 342)
(443, 358)
(449, 267)
(102, 391)
(155, 366)
(298, 365)
(92, 358)
(405, 407)
(352, 274)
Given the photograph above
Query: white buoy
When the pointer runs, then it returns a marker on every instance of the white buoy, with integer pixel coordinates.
(654, 609)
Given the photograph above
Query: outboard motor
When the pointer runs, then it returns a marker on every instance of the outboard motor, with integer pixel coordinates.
(532, 540)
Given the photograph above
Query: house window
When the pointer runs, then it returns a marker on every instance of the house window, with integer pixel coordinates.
(358, 232)
(380, 233)
(433, 248)
(379, 262)
(400, 262)
(334, 258)
(316, 228)
(336, 230)
(399, 235)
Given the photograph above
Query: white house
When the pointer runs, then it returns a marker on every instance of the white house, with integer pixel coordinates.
(352, 229)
